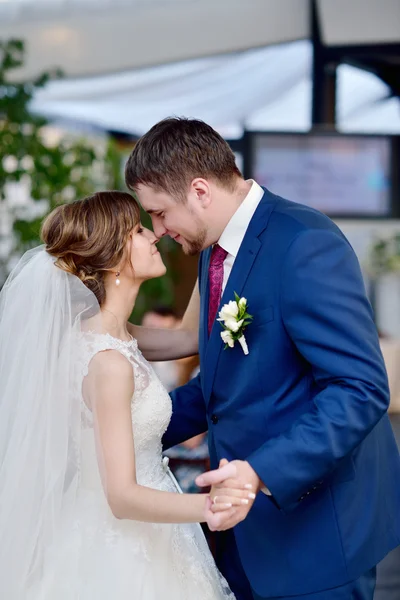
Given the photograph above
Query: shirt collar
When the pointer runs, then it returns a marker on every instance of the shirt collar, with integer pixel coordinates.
(233, 234)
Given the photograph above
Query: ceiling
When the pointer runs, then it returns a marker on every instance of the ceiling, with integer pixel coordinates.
(97, 37)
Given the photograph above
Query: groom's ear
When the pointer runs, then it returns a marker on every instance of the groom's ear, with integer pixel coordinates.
(201, 191)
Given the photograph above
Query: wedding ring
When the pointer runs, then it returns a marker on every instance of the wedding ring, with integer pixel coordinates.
(214, 500)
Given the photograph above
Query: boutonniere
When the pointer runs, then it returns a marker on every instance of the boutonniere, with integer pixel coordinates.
(234, 319)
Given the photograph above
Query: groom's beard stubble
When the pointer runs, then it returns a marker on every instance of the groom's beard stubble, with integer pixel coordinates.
(197, 244)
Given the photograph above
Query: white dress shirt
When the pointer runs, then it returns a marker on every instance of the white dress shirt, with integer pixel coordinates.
(233, 234)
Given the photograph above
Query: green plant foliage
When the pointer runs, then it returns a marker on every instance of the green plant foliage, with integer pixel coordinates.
(56, 173)
(384, 256)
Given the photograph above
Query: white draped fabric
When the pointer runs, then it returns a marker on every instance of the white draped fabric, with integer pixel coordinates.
(263, 89)
(226, 91)
(364, 103)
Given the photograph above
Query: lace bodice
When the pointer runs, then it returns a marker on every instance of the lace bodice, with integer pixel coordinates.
(150, 408)
(95, 555)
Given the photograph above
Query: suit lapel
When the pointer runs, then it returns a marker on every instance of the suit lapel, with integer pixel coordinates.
(241, 269)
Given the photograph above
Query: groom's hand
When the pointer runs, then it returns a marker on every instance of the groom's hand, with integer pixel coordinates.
(239, 475)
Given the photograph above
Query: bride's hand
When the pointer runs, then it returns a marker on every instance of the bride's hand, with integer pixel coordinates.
(216, 520)
(221, 510)
(225, 498)
(228, 504)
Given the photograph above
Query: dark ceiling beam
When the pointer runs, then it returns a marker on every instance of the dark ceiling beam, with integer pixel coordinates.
(323, 78)
(382, 50)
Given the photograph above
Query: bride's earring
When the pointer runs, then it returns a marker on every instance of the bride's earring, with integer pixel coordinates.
(117, 281)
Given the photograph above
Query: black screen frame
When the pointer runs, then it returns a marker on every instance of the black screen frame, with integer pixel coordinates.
(248, 144)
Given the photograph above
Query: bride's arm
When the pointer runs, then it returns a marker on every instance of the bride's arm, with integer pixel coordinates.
(171, 344)
(108, 390)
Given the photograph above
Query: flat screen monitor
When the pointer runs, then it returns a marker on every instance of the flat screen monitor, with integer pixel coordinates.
(340, 175)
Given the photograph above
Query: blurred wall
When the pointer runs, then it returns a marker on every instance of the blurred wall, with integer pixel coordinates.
(361, 235)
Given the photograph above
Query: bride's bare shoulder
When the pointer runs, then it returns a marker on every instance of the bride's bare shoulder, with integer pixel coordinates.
(111, 363)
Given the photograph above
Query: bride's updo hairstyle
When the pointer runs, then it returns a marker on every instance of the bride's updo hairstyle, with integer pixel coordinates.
(89, 236)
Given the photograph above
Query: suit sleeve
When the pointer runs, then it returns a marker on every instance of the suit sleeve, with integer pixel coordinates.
(327, 316)
(188, 414)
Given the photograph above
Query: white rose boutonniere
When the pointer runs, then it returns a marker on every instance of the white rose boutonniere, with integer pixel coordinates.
(234, 318)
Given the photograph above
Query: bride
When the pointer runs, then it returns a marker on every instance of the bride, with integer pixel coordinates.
(88, 508)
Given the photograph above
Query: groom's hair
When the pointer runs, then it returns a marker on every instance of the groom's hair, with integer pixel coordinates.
(177, 150)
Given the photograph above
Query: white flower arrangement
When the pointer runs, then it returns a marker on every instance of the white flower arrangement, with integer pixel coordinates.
(234, 319)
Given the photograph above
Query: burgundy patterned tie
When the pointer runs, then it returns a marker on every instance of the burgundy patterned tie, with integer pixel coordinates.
(216, 277)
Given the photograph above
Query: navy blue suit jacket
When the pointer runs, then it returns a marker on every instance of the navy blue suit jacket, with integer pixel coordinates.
(307, 408)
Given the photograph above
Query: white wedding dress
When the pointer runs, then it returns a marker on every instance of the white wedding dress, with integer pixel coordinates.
(98, 557)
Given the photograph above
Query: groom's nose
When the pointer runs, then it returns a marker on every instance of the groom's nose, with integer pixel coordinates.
(159, 229)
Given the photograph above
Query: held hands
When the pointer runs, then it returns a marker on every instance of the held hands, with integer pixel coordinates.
(233, 491)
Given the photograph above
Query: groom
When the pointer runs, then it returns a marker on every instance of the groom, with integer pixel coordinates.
(303, 415)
